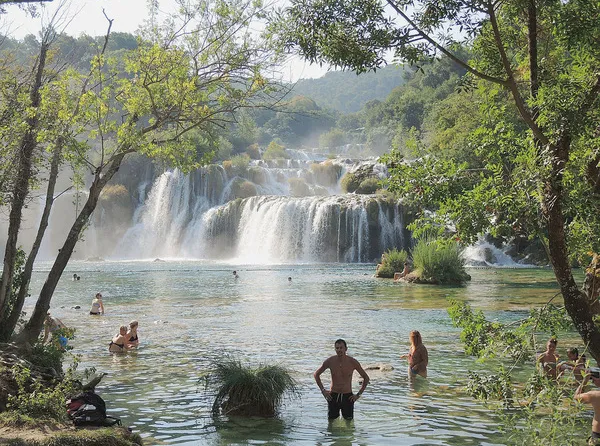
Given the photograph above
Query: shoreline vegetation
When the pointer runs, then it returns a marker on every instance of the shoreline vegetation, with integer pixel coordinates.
(32, 401)
(434, 262)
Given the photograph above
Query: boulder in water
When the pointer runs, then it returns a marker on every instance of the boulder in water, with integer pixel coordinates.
(380, 366)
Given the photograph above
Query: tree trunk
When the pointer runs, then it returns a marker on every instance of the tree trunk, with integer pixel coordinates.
(10, 322)
(533, 52)
(21, 186)
(32, 329)
(576, 303)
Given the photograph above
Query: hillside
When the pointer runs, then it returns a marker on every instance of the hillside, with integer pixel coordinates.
(347, 92)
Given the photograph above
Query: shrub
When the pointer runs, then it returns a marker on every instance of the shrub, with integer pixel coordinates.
(298, 187)
(257, 175)
(243, 188)
(326, 173)
(242, 390)
(239, 164)
(51, 355)
(332, 139)
(440, 261)
(253, 151)
(391, 261)
(38, 399)
(116, 194)
(228, 166)
(368, 186)
(350, 182)
(275, 151)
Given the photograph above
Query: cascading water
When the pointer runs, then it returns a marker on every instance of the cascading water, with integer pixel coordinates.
(484, 254)
(256, 214)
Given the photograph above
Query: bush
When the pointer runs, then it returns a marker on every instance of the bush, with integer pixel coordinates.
(253, 151)
(239, 164)
(326, 173)
(298, 187)
(257, 175)
(228, 166)
(391, 261)
(368, 186)
(332, 139)
(38, 399)
(275, 151)
(350, 182)
(116, 194)
(51, 355)
(243, 188)
(440, 262)
(242, 390)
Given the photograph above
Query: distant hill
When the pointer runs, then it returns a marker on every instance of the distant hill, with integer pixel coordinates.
(347, 92)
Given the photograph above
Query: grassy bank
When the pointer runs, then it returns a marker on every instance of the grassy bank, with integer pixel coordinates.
(19, 430)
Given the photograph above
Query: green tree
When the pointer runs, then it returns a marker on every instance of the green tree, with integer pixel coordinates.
(21, 126)
(541, 55)
(275, 151)
(333, 138)
(183, 79)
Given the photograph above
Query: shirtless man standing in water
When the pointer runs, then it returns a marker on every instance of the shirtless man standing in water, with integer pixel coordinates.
(592, 397)
(340, 396)
(549, 358)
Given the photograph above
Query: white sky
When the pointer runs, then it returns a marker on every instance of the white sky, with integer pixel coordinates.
(127, 16)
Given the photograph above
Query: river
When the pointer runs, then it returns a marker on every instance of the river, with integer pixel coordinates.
(193, 312)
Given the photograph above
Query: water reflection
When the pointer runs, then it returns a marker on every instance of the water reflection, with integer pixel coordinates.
(340, 432)
(261, 430)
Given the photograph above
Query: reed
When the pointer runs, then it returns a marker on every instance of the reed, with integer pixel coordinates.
(391, 261)
(243, 390)
(439, 261)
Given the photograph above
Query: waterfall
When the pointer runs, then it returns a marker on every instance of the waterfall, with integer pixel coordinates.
(247, 215)
(483, 254)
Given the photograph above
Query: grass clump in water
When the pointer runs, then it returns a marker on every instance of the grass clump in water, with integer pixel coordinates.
(440, 262)
(243, 390)
(391, 261)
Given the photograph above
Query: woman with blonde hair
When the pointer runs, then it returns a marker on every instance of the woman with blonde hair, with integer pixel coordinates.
(132, 335)
(417, 356)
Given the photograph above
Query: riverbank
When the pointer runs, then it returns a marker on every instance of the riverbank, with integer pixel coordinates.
(16, 431)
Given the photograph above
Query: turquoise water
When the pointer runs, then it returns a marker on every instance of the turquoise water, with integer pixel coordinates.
(191, 313)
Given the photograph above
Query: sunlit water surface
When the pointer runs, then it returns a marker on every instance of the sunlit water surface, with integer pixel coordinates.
(191, 313)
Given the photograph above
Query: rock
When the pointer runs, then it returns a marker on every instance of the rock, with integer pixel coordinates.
(380, 366)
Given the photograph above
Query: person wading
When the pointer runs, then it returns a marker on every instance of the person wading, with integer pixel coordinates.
(340, 396)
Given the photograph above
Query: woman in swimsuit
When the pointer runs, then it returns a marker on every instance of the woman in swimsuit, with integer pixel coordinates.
(417, 356)
(119, 341)
(132, 335)
(97, 306)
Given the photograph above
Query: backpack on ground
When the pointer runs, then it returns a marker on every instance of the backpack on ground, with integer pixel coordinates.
(89, 409)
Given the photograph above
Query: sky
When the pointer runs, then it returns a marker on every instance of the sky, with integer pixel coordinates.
(127, 16)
